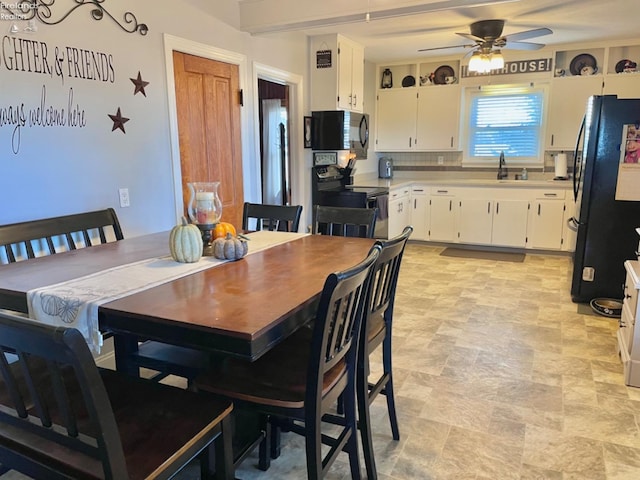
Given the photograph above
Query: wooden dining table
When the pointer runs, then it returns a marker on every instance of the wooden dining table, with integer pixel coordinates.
(241, 308)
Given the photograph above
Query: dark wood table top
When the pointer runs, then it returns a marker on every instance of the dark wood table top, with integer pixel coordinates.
(239, 308)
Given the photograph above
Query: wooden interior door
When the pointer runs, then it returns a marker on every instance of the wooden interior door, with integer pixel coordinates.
(208, 107)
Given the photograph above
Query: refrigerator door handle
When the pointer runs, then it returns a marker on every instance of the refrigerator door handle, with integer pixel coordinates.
(577, 173)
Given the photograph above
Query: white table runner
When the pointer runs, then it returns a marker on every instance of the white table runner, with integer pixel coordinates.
(75, 303)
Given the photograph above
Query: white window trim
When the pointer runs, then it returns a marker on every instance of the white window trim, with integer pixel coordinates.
(538, 161)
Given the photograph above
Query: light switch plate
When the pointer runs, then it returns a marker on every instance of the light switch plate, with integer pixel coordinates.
(124, 197)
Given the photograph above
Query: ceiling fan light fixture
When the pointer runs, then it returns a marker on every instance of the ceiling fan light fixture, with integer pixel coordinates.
(497, 60)
(475, 62)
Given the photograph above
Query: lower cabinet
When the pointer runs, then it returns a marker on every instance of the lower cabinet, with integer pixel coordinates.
(399, 210)
(420, 212)
(475, 219)
(510, 223)
(533, 218)
(442, 217)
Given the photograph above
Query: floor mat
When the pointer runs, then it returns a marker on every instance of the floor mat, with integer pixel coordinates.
(483, 255)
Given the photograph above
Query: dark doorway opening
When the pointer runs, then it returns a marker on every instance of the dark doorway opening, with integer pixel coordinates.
(275, 168)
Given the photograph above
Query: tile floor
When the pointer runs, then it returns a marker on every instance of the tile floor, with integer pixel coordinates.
(497, 377)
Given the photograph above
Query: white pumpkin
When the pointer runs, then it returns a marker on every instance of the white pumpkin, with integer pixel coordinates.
(185, 242)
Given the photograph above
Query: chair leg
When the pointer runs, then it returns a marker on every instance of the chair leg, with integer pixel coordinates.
(224, 452)
(352, 423)
(265, 448)
(276, 441)
(313, 447)
(388, 388)
(364, 421)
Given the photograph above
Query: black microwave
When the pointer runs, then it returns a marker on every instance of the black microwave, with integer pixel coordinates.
(340, 130)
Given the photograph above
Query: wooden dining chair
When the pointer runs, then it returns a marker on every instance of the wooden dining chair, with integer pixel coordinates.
(258, 216)
(301, 378)
(62, 417)
(344, 221)
(376, 331)
(52, 235)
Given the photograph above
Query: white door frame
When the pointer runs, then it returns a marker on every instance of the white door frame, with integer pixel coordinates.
(296, 145)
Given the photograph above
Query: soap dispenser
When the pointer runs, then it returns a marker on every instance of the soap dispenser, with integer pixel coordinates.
(525, 174)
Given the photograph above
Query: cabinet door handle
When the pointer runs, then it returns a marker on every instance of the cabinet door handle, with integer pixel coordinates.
(409, 142)
(550, 194)
(450, 204)
(497, 208)
(451, 142)
(355, 100)
(539, 206)
(415, 204)
(552, 139)
(443, 191)
(488, 207)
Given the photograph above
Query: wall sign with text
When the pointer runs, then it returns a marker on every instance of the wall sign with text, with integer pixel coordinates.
(514, 68)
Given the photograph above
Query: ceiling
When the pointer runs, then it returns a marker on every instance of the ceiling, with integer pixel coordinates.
(416, 24)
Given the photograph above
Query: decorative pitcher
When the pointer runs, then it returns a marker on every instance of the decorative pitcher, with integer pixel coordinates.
(205, 207)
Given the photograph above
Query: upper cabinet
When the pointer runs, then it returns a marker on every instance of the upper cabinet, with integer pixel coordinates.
(337, 73)
(622, 78)
(418, 107)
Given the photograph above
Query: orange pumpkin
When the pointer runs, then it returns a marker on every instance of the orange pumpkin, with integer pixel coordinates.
(221, 229)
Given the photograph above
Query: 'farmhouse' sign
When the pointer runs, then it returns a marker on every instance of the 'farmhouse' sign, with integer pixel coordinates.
(516, 67)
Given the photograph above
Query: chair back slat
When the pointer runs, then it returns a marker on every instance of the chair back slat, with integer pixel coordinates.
(338, 320)
(283, 218)
(58, 233)
(344, 221)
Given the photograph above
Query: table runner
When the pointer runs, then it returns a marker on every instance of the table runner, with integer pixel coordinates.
(75, 303)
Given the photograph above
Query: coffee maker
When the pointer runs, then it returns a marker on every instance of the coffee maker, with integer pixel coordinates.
(385, 167)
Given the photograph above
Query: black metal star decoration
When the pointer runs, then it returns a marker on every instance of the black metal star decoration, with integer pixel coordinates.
(140, 84)
(118, 121)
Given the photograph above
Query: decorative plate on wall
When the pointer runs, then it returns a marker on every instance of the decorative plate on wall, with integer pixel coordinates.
(581, 61)
(441, 73)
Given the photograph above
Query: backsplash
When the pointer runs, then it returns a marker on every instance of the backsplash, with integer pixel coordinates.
(452, 161)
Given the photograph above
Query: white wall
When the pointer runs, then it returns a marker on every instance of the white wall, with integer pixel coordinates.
(56, 170)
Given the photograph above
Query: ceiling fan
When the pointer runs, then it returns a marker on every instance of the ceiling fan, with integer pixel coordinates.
(488, 41)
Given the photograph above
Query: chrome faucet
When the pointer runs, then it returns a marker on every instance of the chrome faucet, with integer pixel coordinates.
(502, 168)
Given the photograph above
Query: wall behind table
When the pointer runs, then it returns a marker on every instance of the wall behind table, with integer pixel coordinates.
(78, 162)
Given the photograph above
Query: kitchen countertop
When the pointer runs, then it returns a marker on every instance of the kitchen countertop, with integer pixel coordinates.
(405, 180)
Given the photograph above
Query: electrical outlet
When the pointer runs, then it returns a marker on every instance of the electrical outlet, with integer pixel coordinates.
(124, 197)
(440, 160)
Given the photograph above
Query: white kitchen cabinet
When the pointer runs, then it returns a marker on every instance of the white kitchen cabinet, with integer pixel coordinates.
(475, 218)
(569, 233)
(339, 83)
(420, 212)
(628, 334)
(624, 85)
(438, 118)
(546, 220)
(399, 210)
(396, 120)
(567, 105)
(442, 215)
(510, 222)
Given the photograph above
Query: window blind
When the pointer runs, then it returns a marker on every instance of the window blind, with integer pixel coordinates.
(505, 120)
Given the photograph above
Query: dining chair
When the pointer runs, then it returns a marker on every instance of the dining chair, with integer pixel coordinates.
(258, 216)
(300, 379)
(62, 417)
(344, 221)
(48, 236)
(376, 331)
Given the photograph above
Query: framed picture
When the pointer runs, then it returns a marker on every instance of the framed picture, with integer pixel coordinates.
(307, 132)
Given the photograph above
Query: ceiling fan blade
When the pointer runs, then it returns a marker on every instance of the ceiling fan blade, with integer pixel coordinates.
(536, 32)
(468, 45)
(470, 37)
(523, 46)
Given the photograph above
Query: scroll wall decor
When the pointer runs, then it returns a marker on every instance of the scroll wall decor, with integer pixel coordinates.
(43, 10)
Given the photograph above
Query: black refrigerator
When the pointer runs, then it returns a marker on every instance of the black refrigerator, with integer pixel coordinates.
(605, 225)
